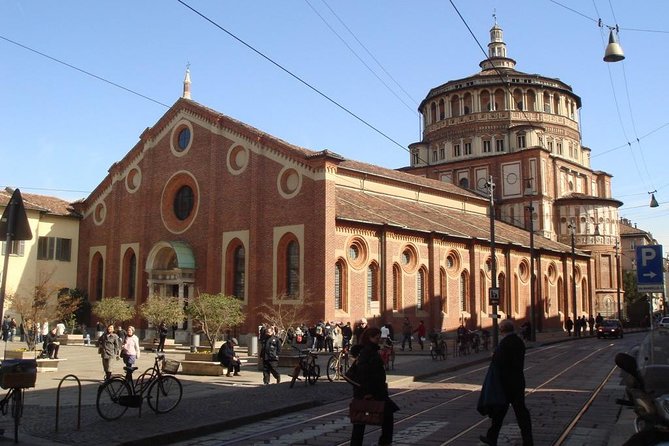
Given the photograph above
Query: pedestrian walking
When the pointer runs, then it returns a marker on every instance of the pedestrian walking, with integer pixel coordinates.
(130, 347)
(591, 324)
(406, 332)
(506, 369)
(421, 331)
(370, 383)
(270, 356)
(109, 348)
(162, 335)
(569, 325)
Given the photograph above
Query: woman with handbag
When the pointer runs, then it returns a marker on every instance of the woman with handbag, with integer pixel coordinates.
(370, 395)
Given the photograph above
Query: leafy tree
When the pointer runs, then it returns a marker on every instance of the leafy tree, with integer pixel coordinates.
(113, 309)
(284, 314)
(70, 303)
(214, 313)
(159, 309)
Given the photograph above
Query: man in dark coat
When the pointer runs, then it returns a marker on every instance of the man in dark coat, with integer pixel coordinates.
(228, 358)
(270, 357)
(509, 358)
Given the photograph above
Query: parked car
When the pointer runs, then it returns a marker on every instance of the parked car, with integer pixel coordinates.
(664, 322)
(610, 328)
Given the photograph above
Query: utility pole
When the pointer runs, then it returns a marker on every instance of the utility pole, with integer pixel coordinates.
(493, 264)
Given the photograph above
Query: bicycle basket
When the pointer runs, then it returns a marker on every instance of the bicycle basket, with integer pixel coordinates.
(170, 366)
(18, 373)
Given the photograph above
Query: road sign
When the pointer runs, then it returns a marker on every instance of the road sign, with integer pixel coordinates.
(494, 296)
(649, 274)
(14, 222)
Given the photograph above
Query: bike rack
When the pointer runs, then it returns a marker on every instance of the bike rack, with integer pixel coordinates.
(58, 400)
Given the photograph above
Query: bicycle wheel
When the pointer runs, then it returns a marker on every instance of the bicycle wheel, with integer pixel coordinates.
(109, 393)
(165, 394)
(296, 372)
(313, 373)
(17, 411)
(333, 370)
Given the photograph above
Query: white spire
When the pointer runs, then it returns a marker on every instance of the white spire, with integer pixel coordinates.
(186, 94)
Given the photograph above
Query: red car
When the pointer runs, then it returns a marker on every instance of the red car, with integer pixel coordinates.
(610, 328)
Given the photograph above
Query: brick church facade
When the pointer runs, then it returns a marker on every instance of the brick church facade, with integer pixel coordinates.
(205, 203)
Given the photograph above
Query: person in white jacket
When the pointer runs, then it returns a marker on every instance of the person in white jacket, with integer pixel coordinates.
(130, 349)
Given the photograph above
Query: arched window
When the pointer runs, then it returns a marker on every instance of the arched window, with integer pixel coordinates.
(235, 276)
(239, 271)
(397, 286)
(129, 279)
(340, 286)
(420, 288)
(288, 266)
(562, 299)
(464, 292)
(455, 106)
(503, 298)
(97, 276)
(433, 113)
(372, 284)
(485, 101)
(442, 110)
(516, 293)
(444, 290)
(584, 296)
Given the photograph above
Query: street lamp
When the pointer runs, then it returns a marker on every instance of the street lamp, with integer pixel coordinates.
(617, 247)
(493, 263)
(533, 325)
(572, 228)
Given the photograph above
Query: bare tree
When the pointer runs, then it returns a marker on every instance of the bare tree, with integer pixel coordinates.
(39, 307)
(284, 314)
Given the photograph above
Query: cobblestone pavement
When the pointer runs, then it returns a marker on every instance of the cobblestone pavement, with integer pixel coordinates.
(209, 404)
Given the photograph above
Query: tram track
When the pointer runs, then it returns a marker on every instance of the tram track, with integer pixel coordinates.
(457, 392)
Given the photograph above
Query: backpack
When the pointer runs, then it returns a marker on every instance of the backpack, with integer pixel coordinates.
(319, 330)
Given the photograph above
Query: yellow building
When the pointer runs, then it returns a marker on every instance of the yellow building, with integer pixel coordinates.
(50, 257)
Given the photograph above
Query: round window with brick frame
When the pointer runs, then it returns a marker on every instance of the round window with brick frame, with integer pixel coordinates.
(357, 253)
(183, 202)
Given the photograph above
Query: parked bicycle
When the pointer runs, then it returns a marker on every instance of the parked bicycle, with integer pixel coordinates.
(13, 403)
(438, 347)
(338, 364)
(16, 376)
(162, 391)
(306, 366)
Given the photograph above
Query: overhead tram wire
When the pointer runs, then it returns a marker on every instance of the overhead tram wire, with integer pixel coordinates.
(87, 73)
(370, 53)
(296, 77)
(358, 57)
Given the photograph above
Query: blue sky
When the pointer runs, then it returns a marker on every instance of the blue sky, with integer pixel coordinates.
(63, 129)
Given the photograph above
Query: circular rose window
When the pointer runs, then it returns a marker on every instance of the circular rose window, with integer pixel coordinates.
(181, 139)
(99, 213)
(179, 202)
(238, 159)
(289, 182)
(133, 180)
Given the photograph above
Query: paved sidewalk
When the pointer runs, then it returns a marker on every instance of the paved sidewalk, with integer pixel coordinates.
(209, 404)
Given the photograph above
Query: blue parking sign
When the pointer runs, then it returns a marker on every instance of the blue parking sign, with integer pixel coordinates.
(649, 274)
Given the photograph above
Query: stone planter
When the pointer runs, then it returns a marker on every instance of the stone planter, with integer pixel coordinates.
(20, 354)
(71, 339)
(208, 357)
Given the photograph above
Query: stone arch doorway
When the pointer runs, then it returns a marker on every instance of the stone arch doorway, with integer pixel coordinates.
(170, 267)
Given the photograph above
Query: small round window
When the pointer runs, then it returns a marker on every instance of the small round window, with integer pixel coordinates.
(409, 258)
(183, 202)
(354, 252)
(184, 139)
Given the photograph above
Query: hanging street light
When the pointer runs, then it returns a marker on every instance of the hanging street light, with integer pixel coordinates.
(614, 52)
(653, 201)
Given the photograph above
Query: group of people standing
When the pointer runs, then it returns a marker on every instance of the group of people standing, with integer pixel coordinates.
(115, 344)
(582, 324)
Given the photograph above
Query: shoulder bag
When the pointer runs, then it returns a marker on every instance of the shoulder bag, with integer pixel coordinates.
(362, 411)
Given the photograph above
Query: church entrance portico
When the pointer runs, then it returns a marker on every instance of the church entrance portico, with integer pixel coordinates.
(170, 267)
